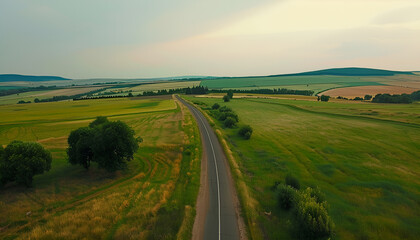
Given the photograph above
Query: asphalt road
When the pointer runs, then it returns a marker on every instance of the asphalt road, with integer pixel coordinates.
(220, 220)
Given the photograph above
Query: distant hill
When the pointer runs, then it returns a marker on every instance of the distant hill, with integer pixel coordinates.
(354, 71)
(28, 78)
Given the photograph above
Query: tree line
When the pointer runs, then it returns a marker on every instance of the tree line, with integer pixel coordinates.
(396, 98)
(5, 92)
(283, 91)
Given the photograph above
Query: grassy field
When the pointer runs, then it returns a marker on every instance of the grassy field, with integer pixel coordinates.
(365, 157)
(317, 84)
(30, 96)
(153, 198)
(150, 87)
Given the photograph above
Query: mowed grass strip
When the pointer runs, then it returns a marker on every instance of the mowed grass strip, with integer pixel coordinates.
(71, 203)
(369, 169)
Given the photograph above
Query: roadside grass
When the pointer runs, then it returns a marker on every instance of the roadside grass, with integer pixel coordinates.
(69, 202)
(368, 168)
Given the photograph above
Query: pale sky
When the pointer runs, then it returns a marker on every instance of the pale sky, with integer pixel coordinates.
(160, 38)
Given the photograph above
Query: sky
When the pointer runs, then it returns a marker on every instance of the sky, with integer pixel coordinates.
(162, 38)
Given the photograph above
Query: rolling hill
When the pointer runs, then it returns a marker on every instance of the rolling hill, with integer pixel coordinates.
(28, 78)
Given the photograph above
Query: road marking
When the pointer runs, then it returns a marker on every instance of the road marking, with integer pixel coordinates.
(215, 163)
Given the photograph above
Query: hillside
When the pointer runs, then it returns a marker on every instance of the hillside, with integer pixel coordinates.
(28, 78)
(353, 71)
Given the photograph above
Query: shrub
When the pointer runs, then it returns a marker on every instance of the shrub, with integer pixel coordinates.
(316, 194)
(292, 181)
(312, 217)
(358, 99)
(226, 98)
(21, 161)
(245, 132)
(215, 106)
(229, 122)
(286, 196)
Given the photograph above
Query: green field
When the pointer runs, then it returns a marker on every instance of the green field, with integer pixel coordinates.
(318, 83)
(365, 157)
(154, 197)
(139, 89)
(30, 96)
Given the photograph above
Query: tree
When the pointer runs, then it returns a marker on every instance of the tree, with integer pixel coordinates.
(215, 106)
(245, 132)
(325, 98)
(36, 100)
(230, 94)
(130, 95)
(368, 97)
(110, 144)
(226, 98)
(229, 122)
(21, 161)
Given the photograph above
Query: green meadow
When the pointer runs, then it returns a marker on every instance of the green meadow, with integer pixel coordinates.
(365, 157)
(154, 197)
(316, 83)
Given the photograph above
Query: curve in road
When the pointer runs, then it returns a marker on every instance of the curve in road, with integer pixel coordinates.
(221, 221)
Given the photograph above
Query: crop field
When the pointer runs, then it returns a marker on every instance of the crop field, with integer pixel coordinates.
(351, 92)
(365, 157)
(154, 197)
(30, 96)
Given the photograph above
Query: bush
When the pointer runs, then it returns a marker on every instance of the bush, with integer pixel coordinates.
(225, 109)
(226, 98)
(286, 196)
(292, 181)
(358, 99)
(215, 106)
(229, 122)
(245, 132)
(21, 161)
(312, 217)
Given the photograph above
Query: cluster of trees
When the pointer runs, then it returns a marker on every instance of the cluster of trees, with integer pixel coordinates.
(308, 206)
(324, 98)
(196, 90)
(5, 92)
(23, 102)
(268, 91)
(225, 115)
(109, 144)
(230, 119)
(21, 161)
(396, 98)
(228, 96)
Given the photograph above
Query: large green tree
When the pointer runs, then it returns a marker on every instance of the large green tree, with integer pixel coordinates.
(21, 161)
(110, 144)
